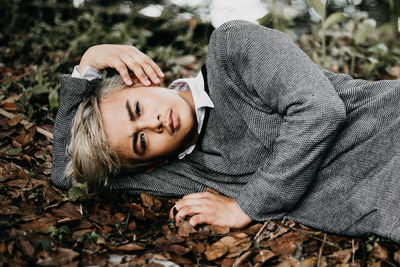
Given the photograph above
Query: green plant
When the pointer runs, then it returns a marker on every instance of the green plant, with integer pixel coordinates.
(58, 233)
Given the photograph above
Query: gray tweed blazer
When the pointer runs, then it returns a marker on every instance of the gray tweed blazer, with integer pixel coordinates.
(286, 138)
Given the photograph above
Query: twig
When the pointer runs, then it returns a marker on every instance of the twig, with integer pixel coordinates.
(24, 122)
(320, 251)
(260, 231)
(353, 250)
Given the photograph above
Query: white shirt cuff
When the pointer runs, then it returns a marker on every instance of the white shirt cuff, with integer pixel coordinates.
(88, 74)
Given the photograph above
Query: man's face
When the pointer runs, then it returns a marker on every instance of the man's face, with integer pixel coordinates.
(147, 123)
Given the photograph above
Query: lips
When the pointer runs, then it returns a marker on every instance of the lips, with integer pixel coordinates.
(173, 121)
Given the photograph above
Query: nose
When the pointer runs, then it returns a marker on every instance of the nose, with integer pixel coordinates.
(155, 124)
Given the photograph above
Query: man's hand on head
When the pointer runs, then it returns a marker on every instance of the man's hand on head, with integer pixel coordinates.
(123, 58)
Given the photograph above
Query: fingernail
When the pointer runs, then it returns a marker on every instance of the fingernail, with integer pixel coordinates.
(129, 82)
(157, 80)
(162, 74)
(147, 82)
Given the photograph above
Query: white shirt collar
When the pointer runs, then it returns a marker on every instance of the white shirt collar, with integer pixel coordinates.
(201, 101)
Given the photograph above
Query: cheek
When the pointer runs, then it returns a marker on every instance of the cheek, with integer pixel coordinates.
(165, 144)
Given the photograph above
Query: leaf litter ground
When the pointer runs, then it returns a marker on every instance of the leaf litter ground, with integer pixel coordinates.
(41, 225)
(44, 226)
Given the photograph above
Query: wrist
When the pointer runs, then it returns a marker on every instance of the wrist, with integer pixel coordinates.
(86, 61)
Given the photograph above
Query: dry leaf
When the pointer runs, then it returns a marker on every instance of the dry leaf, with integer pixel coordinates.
(132, 226)
(3, 247)
(40, 224)
(177, 249)
(216, 250)
(243, 258)
(26, 246)
(8, 106)
(150, 201)
(397, 256)
(26, 136)
(219, 230)
(185, 228)
(68, 210)
(263, 256)
(378, 252)
(62, 256)
(288, 243)
(127, 248)
(15, 120)
(9, 209)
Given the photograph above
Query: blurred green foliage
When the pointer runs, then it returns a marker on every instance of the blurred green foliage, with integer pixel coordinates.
(41, 39)
(350, 42)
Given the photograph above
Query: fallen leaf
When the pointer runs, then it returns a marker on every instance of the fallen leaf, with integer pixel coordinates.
(80, 233)
(9, 209)
(219, 230)
(150, 201)
(102, 217)
(378, 252)
(185, 228)
(127, 248)
(9, 106)
(236, 245)
(216, 250)
(20, 183)
(62, 256)
(289, 262)
(198, 248)
(26, 136)
(15, 120)
(26, 246)
(132, 226)
(177, 249)
(254, 228)
(69, 210)
(40, 224)
(204, 233)
(288, 243)
(14, 151)
(120, 216)
(3, 247)
(263, 256)
(397, 256)
(243, 258)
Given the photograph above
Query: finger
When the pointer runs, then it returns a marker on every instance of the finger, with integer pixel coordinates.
(150, 73)
(153, 65)
(199, 219)
(188, 202)
(199, 195)
(137, 70)
(188, 211)
(123, 71)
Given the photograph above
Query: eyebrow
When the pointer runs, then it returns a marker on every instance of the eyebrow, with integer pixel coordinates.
(128, 107)
(135, 134)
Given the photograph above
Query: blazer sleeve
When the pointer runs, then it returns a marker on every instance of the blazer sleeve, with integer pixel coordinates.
(269, 63)
(72, 92)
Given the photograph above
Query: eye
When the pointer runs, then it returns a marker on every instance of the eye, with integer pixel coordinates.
(143, 141)
(137, 109)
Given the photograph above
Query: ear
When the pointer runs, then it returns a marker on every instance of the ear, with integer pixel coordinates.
(155, 165)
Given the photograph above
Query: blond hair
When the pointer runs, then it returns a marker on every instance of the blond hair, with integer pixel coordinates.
(92, 159)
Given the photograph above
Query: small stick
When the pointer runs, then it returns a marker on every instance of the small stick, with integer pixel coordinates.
(320, 251)
(24, 122)
(260, 231)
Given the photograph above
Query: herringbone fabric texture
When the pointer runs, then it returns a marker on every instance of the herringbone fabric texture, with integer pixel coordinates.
(286, 138)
